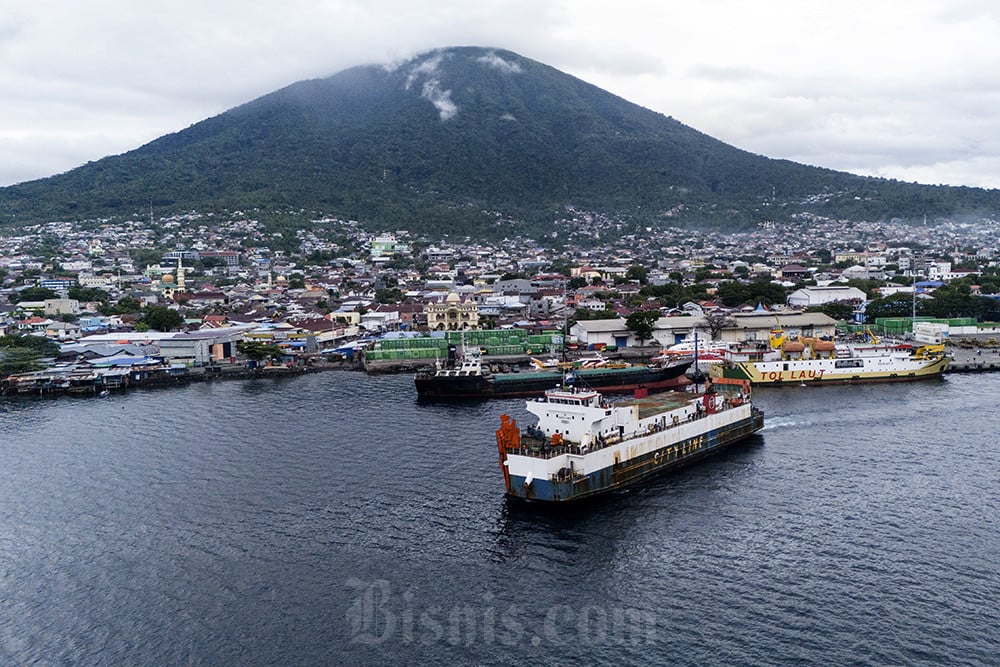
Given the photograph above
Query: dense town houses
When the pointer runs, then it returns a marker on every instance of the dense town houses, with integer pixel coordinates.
(215, 280)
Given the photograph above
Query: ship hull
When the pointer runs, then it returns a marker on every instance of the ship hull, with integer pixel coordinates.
(860, 370)
(655, 455)
(534, 383)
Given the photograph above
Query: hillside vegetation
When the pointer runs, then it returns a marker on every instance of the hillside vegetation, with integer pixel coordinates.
(464, 139)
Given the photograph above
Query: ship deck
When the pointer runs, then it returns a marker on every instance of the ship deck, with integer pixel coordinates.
(650, 406)
(534, 444)
(558, 374)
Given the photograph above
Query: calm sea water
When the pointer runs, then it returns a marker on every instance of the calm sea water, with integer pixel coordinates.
(330, 519)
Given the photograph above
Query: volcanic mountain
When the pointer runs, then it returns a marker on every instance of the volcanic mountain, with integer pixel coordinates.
(457, 139)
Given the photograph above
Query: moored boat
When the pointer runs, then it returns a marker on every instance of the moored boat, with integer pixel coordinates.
(817, 361)
(469, 378)
(705, 353)
(688, 347)
(583, 445)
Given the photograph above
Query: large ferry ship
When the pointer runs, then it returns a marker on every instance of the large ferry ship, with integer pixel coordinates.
(816, 361)
(583, 445)
(469, 378)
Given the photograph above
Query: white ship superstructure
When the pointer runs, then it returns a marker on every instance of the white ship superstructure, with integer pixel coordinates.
(583, 445)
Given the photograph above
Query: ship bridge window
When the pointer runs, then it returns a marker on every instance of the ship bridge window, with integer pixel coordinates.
(565, 401)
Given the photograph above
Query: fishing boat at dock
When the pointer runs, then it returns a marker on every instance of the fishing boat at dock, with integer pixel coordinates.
(584, 445)
(468, 378)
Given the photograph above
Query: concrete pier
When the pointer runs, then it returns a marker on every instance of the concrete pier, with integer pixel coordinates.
(973, 359)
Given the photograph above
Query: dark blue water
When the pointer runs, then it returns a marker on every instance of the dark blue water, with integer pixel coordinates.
(330, 519)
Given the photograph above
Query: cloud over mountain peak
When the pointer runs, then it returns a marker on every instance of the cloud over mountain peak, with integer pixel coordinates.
(431, 90)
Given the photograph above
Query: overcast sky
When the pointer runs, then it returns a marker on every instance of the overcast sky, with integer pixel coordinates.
(906, 89)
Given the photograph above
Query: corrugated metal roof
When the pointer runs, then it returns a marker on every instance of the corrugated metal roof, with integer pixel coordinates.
(769, 320)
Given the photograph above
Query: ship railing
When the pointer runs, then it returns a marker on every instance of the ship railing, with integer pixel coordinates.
(565, 475)
(538, 446)
(542, 448)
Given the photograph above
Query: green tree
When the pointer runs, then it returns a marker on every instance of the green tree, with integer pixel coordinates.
(87, 294)
(587, 314)
(561, 266)
(869, 287)
(835, 309)
(145, 256)
(211, 262)
(762, 290)
(767, 292)
(391, 295)
(733, 293)
(22, 354)
(161, 318)
(823, 255)
(957, 300)
(127, 304)
(33, 294)
(43, 346)
(641, 324)
(258, 351)
(894, 305)
(638, 272)
(702, 274)
(18, 360)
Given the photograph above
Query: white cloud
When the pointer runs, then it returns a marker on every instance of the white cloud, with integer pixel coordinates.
(496, 62)
(441, 99)
(426, 67)
(431, 89)
(894, 88)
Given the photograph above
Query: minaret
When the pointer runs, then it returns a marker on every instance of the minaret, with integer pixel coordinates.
(180, 275)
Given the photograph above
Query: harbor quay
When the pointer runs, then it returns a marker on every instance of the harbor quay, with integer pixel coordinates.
(99, 382)
(974, 358)
(970, 355)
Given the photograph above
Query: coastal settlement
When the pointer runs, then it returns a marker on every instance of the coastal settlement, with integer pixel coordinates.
(194, 296)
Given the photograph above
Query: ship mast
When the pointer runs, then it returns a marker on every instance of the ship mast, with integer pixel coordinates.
(565, 307)
(696, 376)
